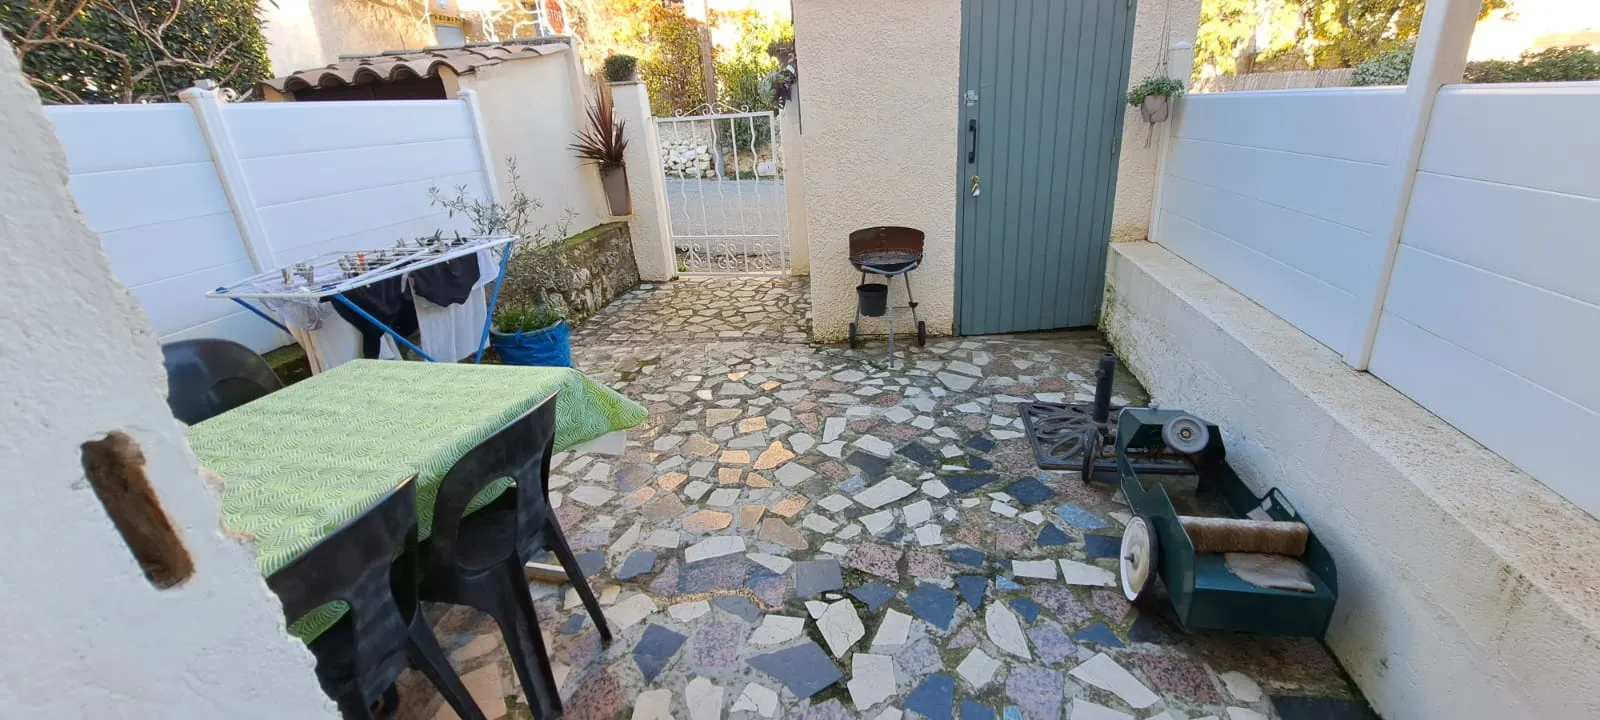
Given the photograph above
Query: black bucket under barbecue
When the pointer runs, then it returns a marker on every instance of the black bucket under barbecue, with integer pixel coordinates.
(872, 299)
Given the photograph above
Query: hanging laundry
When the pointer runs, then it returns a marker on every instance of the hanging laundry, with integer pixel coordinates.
(454, 331)
(389, 302)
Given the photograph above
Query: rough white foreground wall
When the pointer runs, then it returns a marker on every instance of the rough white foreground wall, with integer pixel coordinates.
(1279, 194)
(529, 113)
(1495, 299)
(880, 83)
(88, 636)
(1156, 25)
(1466, 588)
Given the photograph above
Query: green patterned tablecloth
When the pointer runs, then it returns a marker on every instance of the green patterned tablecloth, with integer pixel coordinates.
(299, 462)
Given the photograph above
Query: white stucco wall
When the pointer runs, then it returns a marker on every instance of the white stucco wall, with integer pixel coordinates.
(649, 224)
(1466, 588)
(87, 635)
(1156, 25)
(530, 111)
(304, 34)
(291, 34)
(880, 120)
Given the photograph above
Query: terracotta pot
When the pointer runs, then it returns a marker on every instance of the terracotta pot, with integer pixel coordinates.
(615, 182)
(1155, 108)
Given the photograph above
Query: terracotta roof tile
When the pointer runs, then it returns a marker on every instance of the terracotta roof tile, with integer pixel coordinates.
(393, 66)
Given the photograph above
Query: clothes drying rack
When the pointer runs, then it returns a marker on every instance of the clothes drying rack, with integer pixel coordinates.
(332, 274)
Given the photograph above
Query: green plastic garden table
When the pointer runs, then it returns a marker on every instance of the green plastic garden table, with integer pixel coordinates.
(296, 464)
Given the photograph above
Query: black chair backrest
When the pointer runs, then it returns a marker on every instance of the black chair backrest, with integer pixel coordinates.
(521, 450)
(356, 564)
(887, 238)
(209, 377)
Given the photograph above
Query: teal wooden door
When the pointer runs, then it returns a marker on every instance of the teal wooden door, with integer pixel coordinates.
(1042, 85)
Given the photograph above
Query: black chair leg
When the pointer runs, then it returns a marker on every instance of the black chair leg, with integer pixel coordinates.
(569, 562)
(519, 625)
(422, 648)
(353, 707)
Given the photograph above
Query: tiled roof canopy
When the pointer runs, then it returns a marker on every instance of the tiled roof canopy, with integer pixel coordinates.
(408, 64)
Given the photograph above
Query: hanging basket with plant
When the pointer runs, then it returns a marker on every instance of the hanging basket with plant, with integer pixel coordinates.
(602, 143)
(1154, 95)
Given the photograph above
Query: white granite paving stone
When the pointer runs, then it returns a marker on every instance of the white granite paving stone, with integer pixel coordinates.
(892, 631)
(871, 679)
(590, 495)
(775, 563)
(1004, 434)
(935, 489)
(890, 714)
(1005, 631)
(684, 612)
(666, 442)
(1239, 713)
(703, 697)
(930, 535)
(965, 368)
(629, 612)
(879, 522)
(970, 408)
(777, 629)
(802, 443)
(713, 547)
(898, 415)
(832, 428)
(792, 474)
(1104, 673)
(1032, 517)
(1084, 710)
(977, 668)
(917, 513)
(884, 493)
(663, 539)
(833, 449)
(1077, 573)
(653, 705)
(923, 422)
(835, 502)
(819, 523)
(833, 548)
(841, 627)
(958, 383)
(816, 608)
(1241, 686)
(758, 699)
(874, 445)
(1043, 569)
(723, 498)
(946, 433)
(849, 530)
(1002, 509)
(697, 489)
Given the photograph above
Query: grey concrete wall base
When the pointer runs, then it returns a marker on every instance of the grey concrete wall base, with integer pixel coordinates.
(1467, 589)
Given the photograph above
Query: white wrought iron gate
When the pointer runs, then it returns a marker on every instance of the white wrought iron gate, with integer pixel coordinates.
(725, 192)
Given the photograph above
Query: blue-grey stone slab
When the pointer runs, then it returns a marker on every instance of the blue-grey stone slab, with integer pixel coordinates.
(968, 483)
(1029, 491)
(972, 588)
(870, 465)
(874, 594)
(978, 463)
(1005, 583)
(655, 650)
(855, 484)
(814, 577)
(1028, 609)
(967, 556)
(638, 563)
(971, 710)
(1051, 535)
(805, 669)
(1080, 518)
(592, 562)
(918, 453)
(934, 604)
(980, 443)
(935, 698)
(739, 606)
(574, 623)
(1102, 546)
(893, 537)
(1152, 629)
(1295, 707)
(1099, 634)
(1011, 712)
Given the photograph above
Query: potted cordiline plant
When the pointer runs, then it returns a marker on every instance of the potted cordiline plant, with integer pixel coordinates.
(602, 143)
(1154, 95)
(531, 336)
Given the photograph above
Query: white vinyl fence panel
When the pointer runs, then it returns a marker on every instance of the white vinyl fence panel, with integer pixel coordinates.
(1277, 193)
(1493, 315)
(144, 179)
(322, 176)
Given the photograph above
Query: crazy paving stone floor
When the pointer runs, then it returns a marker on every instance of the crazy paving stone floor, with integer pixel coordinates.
(799, 531)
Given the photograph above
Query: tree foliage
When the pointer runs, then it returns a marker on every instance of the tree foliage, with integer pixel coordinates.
(104, 51)
(1561, 64)
(1242, 36)
(743, 68)
(660, 35)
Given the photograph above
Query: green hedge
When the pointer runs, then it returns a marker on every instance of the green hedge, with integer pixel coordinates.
(1552, 65)
(131, 51)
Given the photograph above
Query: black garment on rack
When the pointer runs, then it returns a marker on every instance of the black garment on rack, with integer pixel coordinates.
(448, 283)
(389, 302)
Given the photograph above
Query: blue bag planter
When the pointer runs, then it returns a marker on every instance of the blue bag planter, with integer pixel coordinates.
(550, 347)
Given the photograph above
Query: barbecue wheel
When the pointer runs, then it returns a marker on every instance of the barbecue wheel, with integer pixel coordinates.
(855, 342)
(1138, 558)
(1091, 453)
(922, 334)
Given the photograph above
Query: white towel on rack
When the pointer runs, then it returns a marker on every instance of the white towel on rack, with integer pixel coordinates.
(453, 332)
(337, 342)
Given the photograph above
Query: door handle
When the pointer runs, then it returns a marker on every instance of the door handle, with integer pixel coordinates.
(972, 139)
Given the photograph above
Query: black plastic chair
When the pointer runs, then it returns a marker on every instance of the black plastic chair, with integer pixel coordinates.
(370, 563)
(208, 377)
(477, 560)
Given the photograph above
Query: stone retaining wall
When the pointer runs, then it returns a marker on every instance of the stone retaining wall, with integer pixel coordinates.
(581, 276)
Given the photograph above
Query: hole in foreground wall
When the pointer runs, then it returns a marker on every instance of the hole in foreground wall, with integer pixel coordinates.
(115, 467)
